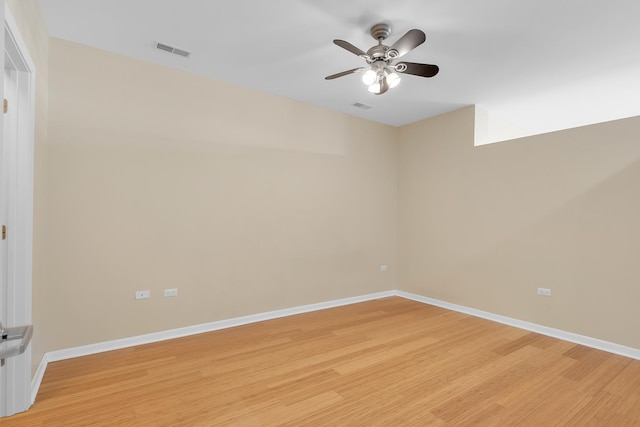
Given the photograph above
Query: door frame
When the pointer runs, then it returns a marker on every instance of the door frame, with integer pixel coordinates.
(17, 370)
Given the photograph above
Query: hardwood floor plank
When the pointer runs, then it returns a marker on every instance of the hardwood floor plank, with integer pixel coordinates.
(389, 362)
(586, 364)
(483, 393)
(627, 381)
(600, 412)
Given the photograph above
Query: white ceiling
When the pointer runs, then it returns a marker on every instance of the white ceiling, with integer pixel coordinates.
(534, 65)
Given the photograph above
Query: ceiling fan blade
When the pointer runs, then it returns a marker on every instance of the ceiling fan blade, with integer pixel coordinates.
(344, 73)
(408, 42)
(422, 70)
(351, 48)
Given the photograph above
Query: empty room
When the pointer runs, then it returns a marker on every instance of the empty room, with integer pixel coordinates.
(320, 213)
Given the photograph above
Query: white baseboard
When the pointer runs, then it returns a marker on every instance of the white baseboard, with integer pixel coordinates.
(610, 347)
(86, 350)
(37, 378)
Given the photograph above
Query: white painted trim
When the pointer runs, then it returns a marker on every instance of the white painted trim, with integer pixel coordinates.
(37, 378)
(4, 285)
(20, 214)
(607, 346)
(25, 63)
(85, 350)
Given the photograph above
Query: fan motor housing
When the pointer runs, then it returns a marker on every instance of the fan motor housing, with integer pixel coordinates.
(378, 51)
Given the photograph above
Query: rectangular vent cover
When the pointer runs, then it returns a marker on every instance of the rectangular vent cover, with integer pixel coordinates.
(173, 50)
(362, 106)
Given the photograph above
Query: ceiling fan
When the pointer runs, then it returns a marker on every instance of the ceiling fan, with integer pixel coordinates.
(381, 73)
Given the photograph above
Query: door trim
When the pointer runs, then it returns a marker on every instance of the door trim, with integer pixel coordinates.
(20, 217)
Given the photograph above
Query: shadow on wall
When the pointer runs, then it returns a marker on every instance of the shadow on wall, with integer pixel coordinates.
(122, 101)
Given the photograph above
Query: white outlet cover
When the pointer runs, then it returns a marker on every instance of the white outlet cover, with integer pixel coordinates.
(143, 294)
(383, 268)
(544, 292)
(170, 292)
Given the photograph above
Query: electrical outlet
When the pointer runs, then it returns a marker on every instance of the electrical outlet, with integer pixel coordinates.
(544, 292)
(170, 292)
(383, 268)
(143, 294)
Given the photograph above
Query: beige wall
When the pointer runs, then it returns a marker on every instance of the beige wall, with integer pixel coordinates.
(486, 226)
(244, 201)
(32, 29)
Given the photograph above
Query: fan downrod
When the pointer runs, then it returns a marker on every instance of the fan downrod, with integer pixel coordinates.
(380, 31)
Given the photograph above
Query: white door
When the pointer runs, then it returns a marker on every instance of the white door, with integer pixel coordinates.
(7, 177)
(16, 209)
(3, 243)
(3, 271)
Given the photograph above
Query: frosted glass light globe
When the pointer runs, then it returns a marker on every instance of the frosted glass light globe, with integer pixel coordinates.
(393, 79)
(369, 77)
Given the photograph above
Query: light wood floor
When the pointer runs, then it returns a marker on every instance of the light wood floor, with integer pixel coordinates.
(390, 362)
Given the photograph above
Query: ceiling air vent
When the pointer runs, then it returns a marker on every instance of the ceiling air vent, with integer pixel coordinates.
(362, 106)
(173, 50)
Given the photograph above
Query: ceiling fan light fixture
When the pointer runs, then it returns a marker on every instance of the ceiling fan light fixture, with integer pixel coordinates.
(369, 77)
(375, 87)
(393, 79)
(381, 73)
